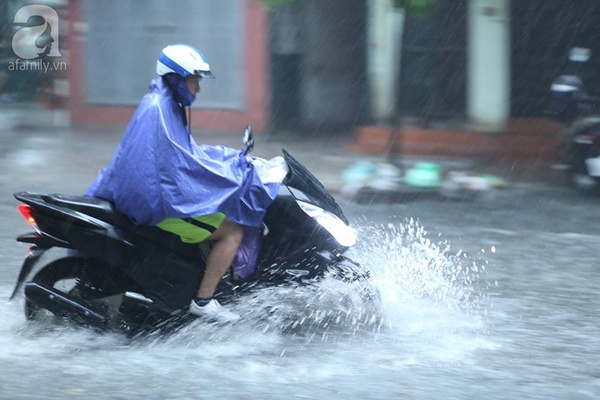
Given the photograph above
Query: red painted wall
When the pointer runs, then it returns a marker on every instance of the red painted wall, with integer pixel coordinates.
(257, 73)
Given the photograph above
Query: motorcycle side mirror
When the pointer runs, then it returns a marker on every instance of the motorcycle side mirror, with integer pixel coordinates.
(248, 139)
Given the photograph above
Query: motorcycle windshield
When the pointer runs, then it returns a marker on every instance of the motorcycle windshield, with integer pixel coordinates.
(306, 187)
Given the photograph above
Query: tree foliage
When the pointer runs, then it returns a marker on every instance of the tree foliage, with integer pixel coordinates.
(274, 3)
(417, 7)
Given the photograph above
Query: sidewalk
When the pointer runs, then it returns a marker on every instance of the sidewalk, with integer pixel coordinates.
(31, 116)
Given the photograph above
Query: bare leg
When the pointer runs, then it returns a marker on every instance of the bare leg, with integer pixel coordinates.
(228, 238)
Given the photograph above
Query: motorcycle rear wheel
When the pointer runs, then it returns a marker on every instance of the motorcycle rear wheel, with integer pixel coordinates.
(61, 274)
(77, 277)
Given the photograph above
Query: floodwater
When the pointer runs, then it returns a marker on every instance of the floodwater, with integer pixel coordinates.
(494, 298)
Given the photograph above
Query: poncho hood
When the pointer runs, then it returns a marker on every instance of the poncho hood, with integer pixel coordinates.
(159, 172)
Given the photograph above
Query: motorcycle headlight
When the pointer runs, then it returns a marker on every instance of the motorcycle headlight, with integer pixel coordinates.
(343, 234)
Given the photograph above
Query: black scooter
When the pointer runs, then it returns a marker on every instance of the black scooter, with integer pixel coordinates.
(139, 279)
(573, 106)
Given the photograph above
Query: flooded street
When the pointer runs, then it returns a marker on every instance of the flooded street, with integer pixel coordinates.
(493, 298)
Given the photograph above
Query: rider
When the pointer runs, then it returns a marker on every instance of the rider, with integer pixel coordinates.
(160, 176)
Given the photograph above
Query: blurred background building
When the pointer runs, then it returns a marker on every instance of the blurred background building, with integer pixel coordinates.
(314, 65)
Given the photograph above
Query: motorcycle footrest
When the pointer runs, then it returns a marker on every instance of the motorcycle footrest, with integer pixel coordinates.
(142, 316)
(65, 305)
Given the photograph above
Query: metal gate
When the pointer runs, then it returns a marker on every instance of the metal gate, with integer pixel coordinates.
(125, 38)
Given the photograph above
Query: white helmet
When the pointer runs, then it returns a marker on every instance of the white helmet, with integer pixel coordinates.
(183, 60)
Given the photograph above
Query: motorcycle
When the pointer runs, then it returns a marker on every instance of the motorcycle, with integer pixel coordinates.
(140, 279)
(574, 107)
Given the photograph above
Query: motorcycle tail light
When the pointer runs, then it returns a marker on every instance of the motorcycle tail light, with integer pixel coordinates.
(25, 210)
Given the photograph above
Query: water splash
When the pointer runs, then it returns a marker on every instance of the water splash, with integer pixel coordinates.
(327, 310)
(417, 277)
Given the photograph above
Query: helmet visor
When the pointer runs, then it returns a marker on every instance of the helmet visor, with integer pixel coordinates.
(204, 74)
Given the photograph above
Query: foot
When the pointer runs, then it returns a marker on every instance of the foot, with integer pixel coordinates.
(213, 310)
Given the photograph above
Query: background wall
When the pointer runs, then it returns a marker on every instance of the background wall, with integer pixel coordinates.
(124, 41)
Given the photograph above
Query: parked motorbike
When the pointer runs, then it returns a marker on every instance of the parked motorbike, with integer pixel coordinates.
(116, 275)
(573, 106)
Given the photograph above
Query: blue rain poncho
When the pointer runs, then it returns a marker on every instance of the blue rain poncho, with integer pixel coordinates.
(159, 172)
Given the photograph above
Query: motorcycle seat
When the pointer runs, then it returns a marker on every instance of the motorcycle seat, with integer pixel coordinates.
(94, 207)
(105, 211)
